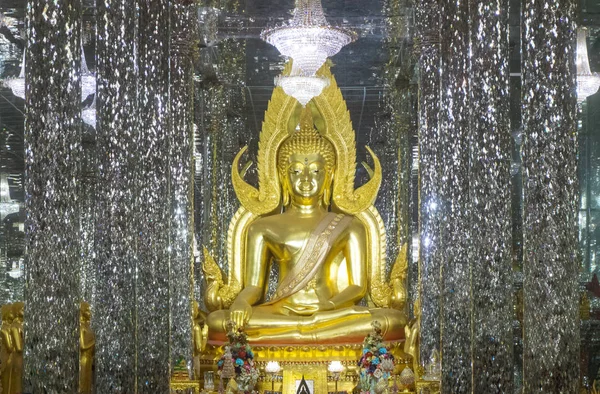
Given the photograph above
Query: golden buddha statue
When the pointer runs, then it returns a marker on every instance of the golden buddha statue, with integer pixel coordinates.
(326, 237)
(87, 345)
(7, 349)
(16, 331)
(199, 336)
(413, 336)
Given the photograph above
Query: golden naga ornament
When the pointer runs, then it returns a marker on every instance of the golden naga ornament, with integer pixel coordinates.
(306, 216)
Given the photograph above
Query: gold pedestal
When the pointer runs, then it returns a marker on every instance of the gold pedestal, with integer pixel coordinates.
(178, 384)
(428, 386)
(308, 358)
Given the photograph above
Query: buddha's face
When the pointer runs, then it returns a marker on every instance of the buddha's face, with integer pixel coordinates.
(307, 176)
(86, 315)
(19, 313)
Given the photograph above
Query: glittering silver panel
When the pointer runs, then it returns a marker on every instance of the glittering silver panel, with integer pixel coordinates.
(454, 202)
(401, 101)
(551, 322)
(117, 212)
(183, 23)
(53, 152)
(221, 132)
(427, 26)
(153, 198)
(490, 195)
(87, 209)
(386, 139)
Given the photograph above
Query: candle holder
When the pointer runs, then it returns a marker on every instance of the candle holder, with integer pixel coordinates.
(273, 368)
(335, 368)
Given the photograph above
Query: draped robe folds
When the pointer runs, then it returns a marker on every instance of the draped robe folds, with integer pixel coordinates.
(313, 255)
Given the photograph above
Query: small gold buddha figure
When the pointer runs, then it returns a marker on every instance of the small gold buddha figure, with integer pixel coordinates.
(324, 236)
(7, 349)
(413, 334)
(199, 336)
(16, 331)
(87, 345)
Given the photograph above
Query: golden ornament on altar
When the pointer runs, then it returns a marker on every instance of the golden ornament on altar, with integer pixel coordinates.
(307, 217)
(7, 348)
(16, 332)
(413, 334)
(87, 346)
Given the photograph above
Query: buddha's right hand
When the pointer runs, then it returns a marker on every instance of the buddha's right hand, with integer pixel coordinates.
(240, 312)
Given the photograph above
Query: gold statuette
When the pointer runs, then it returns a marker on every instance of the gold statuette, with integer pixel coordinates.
(87, 345)
(8, 349)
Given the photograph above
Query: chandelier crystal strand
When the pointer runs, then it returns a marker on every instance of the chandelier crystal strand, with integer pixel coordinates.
(88, 80)
(52, 167)
(549, 153)
(116, 246)
(587, 82)
(302, 88)
(181, 138)
(431, 211)
(17, 85)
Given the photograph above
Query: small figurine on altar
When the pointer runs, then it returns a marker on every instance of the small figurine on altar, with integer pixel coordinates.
(199, 336)
(87, 345)
(376, 363)
(7, 348)
(413, 332)
(16, 330)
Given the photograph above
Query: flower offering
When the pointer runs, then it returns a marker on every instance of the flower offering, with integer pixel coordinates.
(238, 361)
(376, 363)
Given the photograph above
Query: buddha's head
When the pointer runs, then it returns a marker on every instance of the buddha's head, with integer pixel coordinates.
(306, 163)
(19, 310)
(7, 313)
(85, 313)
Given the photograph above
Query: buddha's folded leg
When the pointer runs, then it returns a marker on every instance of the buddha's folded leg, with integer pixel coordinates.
(348, 325)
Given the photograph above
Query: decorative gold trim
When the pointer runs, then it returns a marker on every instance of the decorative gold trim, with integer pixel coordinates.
(275, 130)
(316, 373)
(337, 127)
(185, 385)
(384, 293)
(219, 295)
(323, 354)
(313, 255)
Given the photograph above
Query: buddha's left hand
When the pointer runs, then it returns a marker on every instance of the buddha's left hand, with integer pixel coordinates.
(311, 309)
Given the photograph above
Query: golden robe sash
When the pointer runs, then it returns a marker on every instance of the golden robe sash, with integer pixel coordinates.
(313, 255)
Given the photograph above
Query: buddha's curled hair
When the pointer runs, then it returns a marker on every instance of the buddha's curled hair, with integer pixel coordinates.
(306, 141)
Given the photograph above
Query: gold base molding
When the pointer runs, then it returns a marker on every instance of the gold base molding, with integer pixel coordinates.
(305, 353)
(295, 358)
(184, 385)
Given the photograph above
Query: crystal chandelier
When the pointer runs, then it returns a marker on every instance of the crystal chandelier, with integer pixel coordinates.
(587, 82)
(88, 80)
(88, 115)
(302, 88)
(308, 40)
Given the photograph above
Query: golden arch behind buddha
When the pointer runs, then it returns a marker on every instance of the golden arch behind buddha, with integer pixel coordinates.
(326, 237)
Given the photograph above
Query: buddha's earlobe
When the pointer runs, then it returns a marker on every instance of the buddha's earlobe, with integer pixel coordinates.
(327, 197)
(286, 197)
(285, 191)
(328, 189)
